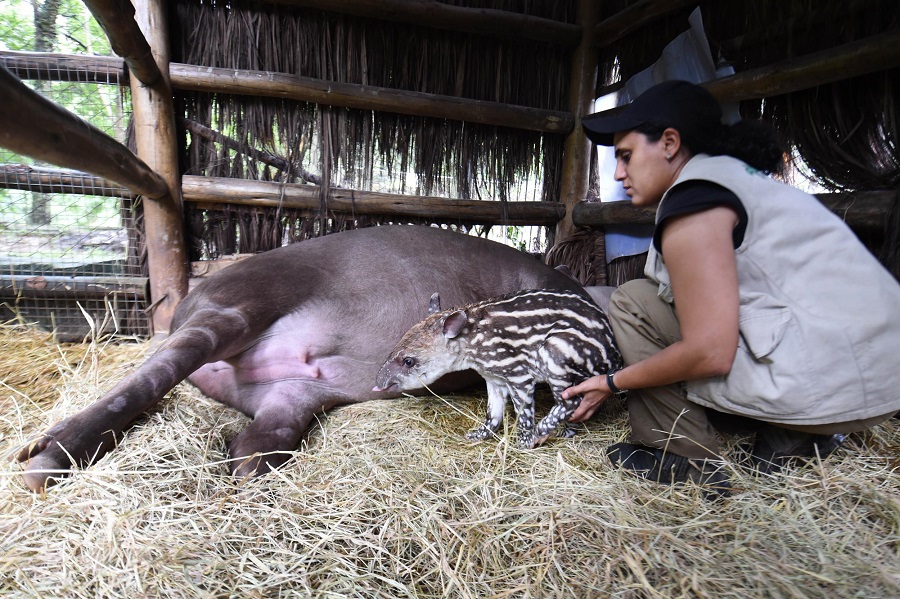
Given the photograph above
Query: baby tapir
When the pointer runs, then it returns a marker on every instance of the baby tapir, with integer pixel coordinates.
(514, 342)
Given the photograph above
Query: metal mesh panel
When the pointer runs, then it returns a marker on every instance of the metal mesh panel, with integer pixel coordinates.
(69, 242)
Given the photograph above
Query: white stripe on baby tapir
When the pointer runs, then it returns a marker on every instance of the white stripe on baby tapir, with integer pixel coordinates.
(514, 342)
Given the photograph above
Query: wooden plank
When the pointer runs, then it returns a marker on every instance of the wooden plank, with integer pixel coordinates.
(874, 54)
(44, 66)
(598, 214)
(213, 190)
(34, 126)
(870, 55)
(633, 18)
(430, 13)
(367, 97)
(65, 286)
(47, 180)
(116, 18)
(38, 65)
(860, 210)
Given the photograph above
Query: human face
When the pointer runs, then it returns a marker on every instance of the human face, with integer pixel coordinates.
(642, 167)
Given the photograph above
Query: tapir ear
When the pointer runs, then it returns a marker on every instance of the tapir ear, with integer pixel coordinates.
(434, 304)
(454, 324)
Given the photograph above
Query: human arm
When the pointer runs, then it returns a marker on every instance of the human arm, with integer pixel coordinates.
(699, 254)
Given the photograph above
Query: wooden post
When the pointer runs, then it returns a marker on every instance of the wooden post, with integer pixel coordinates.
(154, 130)
(578, 148)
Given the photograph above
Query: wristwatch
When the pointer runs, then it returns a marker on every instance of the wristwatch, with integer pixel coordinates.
(612, 385)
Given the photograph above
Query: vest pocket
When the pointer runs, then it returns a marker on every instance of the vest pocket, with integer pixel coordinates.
(770, 375)
(763, 331)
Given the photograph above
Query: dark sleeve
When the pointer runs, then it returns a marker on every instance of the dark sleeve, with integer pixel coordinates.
(694, 196)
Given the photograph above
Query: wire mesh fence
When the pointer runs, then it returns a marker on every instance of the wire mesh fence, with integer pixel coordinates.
(69, 243)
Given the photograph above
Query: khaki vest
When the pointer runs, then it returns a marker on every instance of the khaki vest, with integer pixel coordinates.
(819, 316)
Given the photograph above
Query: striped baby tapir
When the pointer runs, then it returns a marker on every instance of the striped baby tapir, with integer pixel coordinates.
(515, 342)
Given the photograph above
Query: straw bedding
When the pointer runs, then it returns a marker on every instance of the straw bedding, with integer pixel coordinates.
(386, 499)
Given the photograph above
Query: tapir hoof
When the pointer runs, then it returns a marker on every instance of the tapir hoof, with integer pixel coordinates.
(45, 463)
(258, 464)
(526, 440)
(477, 435)
(43, 472)
(50, 457)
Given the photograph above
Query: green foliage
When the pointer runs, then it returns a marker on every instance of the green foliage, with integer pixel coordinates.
(16, 25)
(77, 32)
(104, 106)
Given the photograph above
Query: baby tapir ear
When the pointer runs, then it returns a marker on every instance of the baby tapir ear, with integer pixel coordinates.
(434, 304)
(454, 323)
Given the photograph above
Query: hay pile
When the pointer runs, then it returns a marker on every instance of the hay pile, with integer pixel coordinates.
(387, 500)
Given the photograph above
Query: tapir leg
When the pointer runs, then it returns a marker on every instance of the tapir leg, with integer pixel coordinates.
(559, 414)
(498, 394)
(86, 436)
(523, 402)
(277, 428)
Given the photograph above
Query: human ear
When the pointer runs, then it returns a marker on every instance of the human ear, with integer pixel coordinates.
(671, 142)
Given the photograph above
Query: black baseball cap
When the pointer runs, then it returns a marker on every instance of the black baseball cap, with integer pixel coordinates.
(678, 104)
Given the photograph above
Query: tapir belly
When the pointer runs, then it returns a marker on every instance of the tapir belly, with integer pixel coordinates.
(308, 357)
(297, 356)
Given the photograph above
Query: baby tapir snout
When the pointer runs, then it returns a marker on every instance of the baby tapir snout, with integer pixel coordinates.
(426, 351)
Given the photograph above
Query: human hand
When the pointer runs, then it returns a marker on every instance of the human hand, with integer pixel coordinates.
(594, 392)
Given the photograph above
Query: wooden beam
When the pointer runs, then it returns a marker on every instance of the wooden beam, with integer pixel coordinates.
(46, 180)
(430, 13)
(860, 210)
(367, 97)
(116, 18)
(634, 17)
(34, 126)
(870, 55)
(849, 13)
(44, 66)
(599, 214)
(210, 190)
(70, 286)
(215, 190)
(38, 65)
(154, 134)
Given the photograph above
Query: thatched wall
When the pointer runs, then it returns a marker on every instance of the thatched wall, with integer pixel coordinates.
(365, 149)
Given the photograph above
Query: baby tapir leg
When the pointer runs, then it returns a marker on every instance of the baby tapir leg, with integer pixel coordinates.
(559, 414)
(523, 402)
(498, 395)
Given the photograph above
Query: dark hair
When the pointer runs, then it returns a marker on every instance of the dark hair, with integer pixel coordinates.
(754, 142)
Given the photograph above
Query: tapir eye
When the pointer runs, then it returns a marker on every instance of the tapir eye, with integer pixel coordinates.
(409, 362)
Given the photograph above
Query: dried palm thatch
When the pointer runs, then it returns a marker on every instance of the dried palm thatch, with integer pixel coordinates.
(385, 499)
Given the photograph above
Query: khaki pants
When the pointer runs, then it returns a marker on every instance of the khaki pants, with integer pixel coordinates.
(662, 416)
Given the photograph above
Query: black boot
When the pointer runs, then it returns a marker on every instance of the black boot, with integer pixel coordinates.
(668, 468)
(775, 447)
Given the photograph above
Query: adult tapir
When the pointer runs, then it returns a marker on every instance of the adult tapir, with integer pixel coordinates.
(292, 332)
